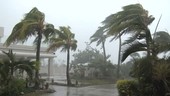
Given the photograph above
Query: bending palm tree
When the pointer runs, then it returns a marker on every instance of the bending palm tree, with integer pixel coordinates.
(100, 38)
(33, 24)
(133, 20)
(66, 41)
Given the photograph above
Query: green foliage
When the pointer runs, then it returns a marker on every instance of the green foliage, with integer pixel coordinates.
(14, 88)
(141, 69)
(9, 65)
(92, 59)
(64, 39)
(153, 78)
(33, 24)
(127, 87)
(132, 19)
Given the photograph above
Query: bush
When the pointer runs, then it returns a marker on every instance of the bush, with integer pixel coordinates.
(14, 88)
(127, 87)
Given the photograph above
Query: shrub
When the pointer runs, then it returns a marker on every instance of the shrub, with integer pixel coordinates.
(127, 87)
(14, 88)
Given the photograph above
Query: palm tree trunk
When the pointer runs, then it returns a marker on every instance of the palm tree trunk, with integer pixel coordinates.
(104, 51)
(119, 61)
(149, 42)
(67, 70)
(152, 57)
(38, 59)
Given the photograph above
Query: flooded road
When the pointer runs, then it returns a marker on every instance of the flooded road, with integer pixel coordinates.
(98, 90)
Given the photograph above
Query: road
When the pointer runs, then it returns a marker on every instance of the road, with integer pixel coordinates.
(98, 90)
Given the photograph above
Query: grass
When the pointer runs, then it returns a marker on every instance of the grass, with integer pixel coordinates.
(96, 81)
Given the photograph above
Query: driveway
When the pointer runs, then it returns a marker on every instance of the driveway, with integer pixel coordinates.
(98, 90)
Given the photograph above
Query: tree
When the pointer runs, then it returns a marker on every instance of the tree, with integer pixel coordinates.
(66, 41)
(33, 24)
(100, 38)
(160, 67)
(92, 58)
(119, 58)
(132, 20)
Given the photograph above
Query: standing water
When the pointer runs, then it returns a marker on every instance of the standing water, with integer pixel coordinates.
(97, 90)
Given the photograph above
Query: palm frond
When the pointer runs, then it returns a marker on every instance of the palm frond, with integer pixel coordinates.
(73, 45)
(26, 66)
(10, 55)
(130, 39)
(133, 19)
(98, 36)
(35, 14)
(65, 40)
(131, 48)
(161, 42)
(49, 31)
(56, 45)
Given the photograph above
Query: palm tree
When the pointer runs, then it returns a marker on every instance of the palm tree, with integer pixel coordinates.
(66, 41)
(100, 38)
(132, 20)
(33, 24)
(160, 66)
(119, 59)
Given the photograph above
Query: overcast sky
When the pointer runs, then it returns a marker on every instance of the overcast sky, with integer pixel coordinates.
(83, 16)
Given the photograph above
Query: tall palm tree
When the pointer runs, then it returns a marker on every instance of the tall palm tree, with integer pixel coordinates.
(66, 41)
(119, 58)
(100, 38)
(133, 19)
(33, 24)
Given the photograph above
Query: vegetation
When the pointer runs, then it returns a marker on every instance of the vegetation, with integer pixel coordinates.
(90, 64)
(127, 88)
(151, 71)
(33, 24)
(66, 41)
(100, 38)
(136, 24)
(10, 84)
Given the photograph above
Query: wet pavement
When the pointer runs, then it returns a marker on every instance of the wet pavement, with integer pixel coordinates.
(98, 90)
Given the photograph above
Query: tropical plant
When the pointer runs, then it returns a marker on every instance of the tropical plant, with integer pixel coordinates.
(33, 24)
(100, 38)
(160, 67)
(66, 41)
(134, 20)
(9, 65)
(161, 74)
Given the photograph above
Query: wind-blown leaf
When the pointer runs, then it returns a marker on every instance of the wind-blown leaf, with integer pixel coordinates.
(133, 19)
(131, 48)
(130, 39)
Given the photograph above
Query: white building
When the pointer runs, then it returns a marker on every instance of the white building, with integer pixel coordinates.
(28, 52)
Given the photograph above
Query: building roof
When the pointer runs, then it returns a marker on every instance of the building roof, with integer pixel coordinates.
(25, 51)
